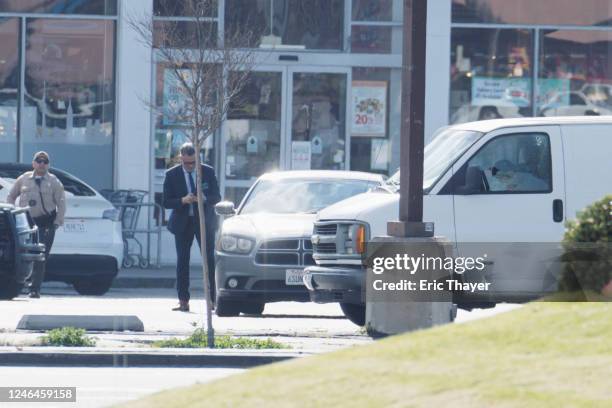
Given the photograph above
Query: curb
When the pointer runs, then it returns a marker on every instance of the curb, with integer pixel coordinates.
(81, 358)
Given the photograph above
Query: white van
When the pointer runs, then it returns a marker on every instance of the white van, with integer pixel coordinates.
(508, 183)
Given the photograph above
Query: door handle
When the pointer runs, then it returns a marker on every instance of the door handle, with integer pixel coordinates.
(558, 210)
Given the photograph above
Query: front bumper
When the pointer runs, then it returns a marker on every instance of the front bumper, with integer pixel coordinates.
(256, 283)
(335, 284)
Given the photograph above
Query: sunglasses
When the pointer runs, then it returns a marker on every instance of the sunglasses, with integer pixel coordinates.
(42, 161)
(189, 163)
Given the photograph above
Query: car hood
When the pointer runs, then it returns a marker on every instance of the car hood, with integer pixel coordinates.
(353, 207)
(270, 226)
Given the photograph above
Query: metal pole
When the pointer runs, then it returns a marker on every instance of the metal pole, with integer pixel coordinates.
(413, 124)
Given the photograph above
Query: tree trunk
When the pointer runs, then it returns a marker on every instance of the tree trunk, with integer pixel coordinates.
(210, 331)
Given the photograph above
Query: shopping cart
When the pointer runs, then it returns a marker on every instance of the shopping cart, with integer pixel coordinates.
(129, 203)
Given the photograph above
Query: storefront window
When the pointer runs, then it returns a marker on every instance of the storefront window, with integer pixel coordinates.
(9, 84)
(183, 34)
(94, 7)
(383, 32)
(174, 8)
(544, 12)
(69, 95)
(170, 129)
(375, 121)
(491, 71)
(372, 10)
(575, 73)
(306, 24)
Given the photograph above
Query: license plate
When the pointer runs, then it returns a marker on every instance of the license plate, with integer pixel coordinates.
(75, 227)
(294, 277)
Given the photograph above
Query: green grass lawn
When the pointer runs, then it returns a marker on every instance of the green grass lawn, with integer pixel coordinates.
(542, 355)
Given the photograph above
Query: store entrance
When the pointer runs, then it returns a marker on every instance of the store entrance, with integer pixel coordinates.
(287, 118)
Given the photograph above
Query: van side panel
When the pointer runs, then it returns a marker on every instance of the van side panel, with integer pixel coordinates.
(588, 165)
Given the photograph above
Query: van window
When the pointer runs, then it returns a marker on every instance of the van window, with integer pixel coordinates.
(516, 163)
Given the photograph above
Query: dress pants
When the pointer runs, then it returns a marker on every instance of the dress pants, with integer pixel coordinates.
(46, 235)
(183, 242)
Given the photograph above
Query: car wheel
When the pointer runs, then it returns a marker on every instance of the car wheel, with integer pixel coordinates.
(227, 308)
(252, 308)
(355, 313)
(9, 289)
(93, 286)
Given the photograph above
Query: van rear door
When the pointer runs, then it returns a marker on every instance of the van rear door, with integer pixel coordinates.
(508, 193)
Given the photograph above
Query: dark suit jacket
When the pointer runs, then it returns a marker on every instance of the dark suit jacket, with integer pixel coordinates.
(175, 187)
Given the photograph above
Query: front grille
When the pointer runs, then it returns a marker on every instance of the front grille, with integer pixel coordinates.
(276, 285)
(326, 229)
(277, 258)
(285, 252)
(326, 248)
(280, 244)
(308, 260)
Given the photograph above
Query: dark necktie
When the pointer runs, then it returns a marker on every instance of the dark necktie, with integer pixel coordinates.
(192, 184)
(194, 206)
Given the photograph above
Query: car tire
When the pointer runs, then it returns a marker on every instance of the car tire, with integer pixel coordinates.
(354, 312)
(252, 308)
(9, 289)
(227, 308)
(93, 286)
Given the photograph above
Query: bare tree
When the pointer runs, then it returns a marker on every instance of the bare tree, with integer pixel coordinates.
(207, 69)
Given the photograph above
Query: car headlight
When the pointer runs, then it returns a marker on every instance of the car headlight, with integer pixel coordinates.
(238, 245)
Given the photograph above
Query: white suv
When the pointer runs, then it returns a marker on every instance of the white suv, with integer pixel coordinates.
(88, 249)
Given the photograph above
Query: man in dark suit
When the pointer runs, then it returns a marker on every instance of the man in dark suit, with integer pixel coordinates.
(180, 195)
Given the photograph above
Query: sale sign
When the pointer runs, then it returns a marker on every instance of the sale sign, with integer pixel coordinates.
(369, 100)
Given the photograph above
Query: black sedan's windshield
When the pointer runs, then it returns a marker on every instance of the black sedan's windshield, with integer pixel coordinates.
(301, 195)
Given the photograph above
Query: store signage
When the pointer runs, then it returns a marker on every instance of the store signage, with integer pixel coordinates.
(300, 155)
(517, 91)
(369, 108)
(501, 91)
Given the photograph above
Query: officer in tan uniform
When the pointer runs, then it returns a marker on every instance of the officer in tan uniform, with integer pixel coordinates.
(44, 194)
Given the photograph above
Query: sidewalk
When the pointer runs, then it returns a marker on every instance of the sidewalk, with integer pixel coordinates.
(163, 277)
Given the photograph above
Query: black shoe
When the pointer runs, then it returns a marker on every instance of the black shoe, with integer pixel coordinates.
(34, 294)
(182, 307)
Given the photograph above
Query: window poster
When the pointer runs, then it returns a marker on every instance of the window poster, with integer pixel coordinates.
(300, 155)
(369, 102)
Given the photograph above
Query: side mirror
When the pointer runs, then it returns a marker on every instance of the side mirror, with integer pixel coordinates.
(474, 182)
(225, 208)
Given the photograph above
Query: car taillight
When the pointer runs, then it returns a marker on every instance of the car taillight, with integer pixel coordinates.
(112, 214)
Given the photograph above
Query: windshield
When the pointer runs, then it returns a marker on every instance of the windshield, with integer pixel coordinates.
(301, 195)
(440, 154)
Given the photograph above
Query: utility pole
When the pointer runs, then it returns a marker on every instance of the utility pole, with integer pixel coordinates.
(412, 143)
(391, 312)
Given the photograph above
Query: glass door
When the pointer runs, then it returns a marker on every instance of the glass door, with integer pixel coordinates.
(253, 142)
(317, 131)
